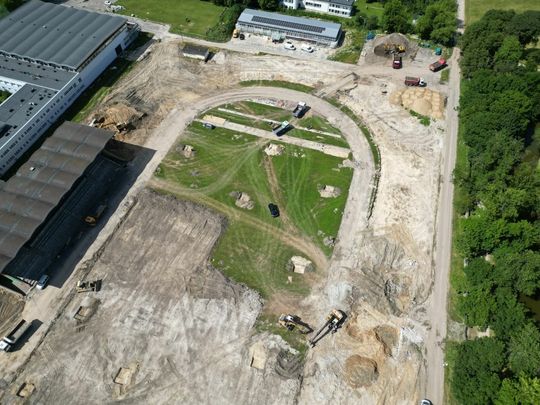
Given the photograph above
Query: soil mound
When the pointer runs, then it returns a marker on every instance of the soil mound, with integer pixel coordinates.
(360, 371)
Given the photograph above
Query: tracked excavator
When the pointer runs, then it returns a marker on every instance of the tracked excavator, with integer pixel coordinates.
(334, 321)
(294, 321)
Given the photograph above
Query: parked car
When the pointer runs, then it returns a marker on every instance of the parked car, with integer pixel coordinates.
(307, 48)
(426, 402)
(42, 282)
(208, 125)
(274, 210)
(242, 37)
(289, 46)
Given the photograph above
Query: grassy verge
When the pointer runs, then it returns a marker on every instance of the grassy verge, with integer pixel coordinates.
(445, 75)
(4, 96)
(190, 17)
(352, 46)
(424, 120)
(450, 359)
(278, 83)
(475, 9)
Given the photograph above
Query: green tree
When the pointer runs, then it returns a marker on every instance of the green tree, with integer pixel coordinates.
(269, 4)
(396, 18)
(526, 26)
(438, 22)
(524, 391)
(13, 4)
(524, 351)
(508, 55)
(475, 379)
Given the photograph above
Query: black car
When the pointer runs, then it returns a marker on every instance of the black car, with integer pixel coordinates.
(274, 210)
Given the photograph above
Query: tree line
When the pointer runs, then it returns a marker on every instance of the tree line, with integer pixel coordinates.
(498, 204)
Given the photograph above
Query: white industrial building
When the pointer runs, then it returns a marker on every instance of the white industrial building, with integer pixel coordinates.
(341, 8)
(279, 26)
(49, 54)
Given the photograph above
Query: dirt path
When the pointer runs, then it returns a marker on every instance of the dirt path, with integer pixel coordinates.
(438, 312)
(291, 140)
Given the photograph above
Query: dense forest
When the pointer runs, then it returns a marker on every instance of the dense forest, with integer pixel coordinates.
(498, 203)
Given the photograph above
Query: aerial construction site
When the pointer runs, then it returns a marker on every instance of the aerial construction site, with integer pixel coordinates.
(270, 238)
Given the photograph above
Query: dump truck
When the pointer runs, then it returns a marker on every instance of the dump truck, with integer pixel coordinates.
(14, 335)
(436, 66)
(294, 321)
(280, 129)
(415, 81)
(94, 217)
(300, 109)
(334, 321)
(397, 63)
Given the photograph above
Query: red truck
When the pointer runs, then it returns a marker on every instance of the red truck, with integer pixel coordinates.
(396, 63)
(436, 66)
(415, 81)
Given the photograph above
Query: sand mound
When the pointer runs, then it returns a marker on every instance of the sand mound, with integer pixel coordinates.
(360, 371)
(423, 101)
(117, 118)
(388, 44)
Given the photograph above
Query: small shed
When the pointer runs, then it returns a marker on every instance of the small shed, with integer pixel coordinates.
(196, 52)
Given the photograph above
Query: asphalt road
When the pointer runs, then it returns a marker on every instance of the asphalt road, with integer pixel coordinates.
(438, 312)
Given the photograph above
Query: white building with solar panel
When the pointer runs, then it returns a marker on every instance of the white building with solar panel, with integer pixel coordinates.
(49, 54)
(277, 25)
(341, 8)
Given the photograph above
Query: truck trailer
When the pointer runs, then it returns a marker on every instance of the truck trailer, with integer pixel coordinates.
(300, 109)
(14, 335)
(415, 81)
(436, 66)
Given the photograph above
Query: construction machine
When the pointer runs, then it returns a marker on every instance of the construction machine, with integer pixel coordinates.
(394, 48)
(334, 321)
(294, 321)
(93, 218)
(86, 286)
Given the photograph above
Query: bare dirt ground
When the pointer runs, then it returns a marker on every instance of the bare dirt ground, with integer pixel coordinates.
(381, 272)
(180, 328)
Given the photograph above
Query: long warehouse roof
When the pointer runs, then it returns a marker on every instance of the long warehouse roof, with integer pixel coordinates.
(57, 34)
(282, 22)
(27, 198)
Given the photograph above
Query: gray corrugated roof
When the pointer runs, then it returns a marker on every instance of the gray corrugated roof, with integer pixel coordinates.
(283, 22)
(342, 2)
(28, 197)
(53, 33)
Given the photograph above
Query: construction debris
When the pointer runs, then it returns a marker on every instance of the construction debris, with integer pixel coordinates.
(299, 264)
(26, 390)
(257, 354)
(420, 100)
(243, 200)
(118, 118)
(274, 150)
(329, 191)
(188, 151)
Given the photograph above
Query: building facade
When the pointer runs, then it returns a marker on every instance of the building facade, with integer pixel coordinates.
(341, 8)
(49, 54)
(286, 26)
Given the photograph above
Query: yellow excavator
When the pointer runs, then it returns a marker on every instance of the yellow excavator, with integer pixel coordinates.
(334, 321)
(294, 321)
(394, 48)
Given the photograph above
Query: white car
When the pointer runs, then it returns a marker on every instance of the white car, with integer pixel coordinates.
(108, 3)
(289, 46)
(306, 48)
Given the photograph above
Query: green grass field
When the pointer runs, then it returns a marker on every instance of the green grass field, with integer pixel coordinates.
(375, 8)
(256, 247)
(191, 17)
(475, 9)
(4, 96)
(278, 83)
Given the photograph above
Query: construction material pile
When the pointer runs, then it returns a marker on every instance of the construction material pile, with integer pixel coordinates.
(393, 43)
(117, 118)
(420, 100)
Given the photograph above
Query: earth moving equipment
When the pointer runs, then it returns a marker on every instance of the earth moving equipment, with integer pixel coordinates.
(93, 218)
(280, 129)
(436, 66)
(394, 48)
(334, 321)
(294, 321)
(415, 81)
(300, 109)
(86, 286)
(14, 335)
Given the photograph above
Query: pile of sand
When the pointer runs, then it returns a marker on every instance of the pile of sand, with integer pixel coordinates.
(421, 100)
(274, 150)
(329, 191)
(360, 371)
(384, 45)
(117, 118)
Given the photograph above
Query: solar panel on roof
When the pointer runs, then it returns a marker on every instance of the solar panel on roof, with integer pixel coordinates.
(287, 24)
